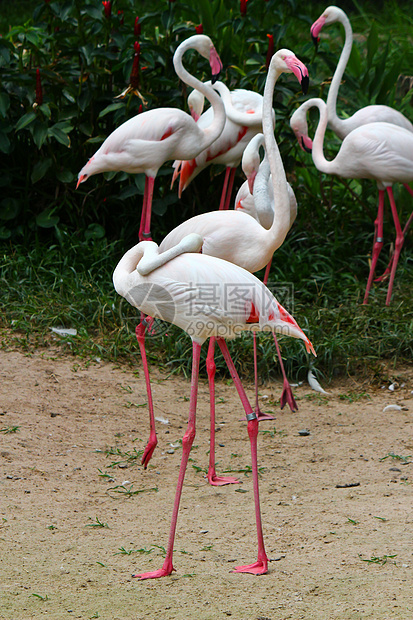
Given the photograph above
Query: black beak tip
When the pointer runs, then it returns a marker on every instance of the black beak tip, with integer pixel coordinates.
(315, 41)
(214, 78)
(306, 148)
(305, 82)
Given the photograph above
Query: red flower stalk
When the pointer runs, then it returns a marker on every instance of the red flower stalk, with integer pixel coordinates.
(199, 29)
(107, 7)
(134, 75)
(121, 17)
(270, 50)
(137, 28)
(243, 7)
(39, 90)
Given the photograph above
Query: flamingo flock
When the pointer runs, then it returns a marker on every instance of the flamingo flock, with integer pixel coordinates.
(220, 250)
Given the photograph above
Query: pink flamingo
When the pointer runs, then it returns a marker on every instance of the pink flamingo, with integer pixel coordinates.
(172, 286)
(243, 110)
(379, 151)
(236, 237)
(148, 140)
(369, 114)
(256, 197)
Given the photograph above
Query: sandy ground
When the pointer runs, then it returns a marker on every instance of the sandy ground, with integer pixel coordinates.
(336, 503)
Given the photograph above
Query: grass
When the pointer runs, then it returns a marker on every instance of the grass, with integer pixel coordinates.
(61, 277)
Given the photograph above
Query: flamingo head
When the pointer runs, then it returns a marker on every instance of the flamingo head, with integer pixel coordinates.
(329, 16)
(288, 62)
(216, 64)
(196, 104)
(298, 124)
(81, 179)
(204, 46)
(251, 159)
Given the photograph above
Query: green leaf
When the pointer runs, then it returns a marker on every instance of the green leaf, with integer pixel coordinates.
(4, 143)
(65, 176)
(206, 17)
(372, 44)
(59, 135)
(9, 208)
(4, 233)
(94, 231)
(25, 120)
(39, 133)
(111, 108)
(46, 219)
(128, 192)
(39, 169)
(4, 104)
(354, 65)
(46, 110)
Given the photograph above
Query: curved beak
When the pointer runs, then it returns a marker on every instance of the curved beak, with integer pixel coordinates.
(216, 64)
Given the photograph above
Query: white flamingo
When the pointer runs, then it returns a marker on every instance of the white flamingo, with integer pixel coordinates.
(172, 286)
(379, 151)
(148, 140)
(369, 114)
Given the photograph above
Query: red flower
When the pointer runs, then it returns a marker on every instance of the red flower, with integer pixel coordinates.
(107, 7)
(39, 90)
(243, 7)
(121, 17)
(199, 29)
(137, 28)
(134, 75)
(270, 50)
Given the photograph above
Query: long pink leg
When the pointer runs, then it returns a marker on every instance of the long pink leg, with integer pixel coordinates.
(260, 415)
(213, 479)
(187, 442)
(287, 393)
(398, 244)
(377, 244)
(152, 442)
(261, 565)
(405, 229)
(229, 189)
(145, 227)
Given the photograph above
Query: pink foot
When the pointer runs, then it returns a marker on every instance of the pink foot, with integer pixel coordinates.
(260, 567)
(384, 276)
(260, 416)
(263, 416)
(287, 397)
(161, 572)
(149, 450)
(220, 481)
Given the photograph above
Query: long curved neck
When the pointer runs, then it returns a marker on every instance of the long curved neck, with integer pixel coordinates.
(333, 119)
(321, 163)
(281, 221)
(152, 259)
(263, 201)
(234, 115)
(214, 130)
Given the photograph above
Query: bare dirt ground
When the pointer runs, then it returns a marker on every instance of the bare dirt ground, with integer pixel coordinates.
(336, 503)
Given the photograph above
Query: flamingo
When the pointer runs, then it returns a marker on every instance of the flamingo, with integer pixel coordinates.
(148, 140)
(256, 197)
(243, 110)
(369, 114)
(236, 237)
(379, 151)
(258, 186)
(172, 286)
